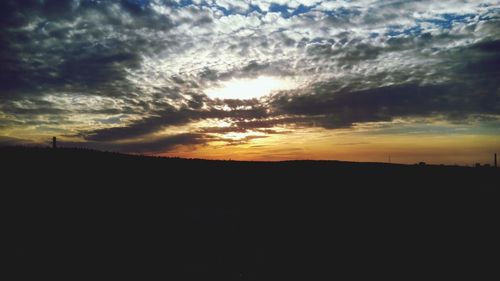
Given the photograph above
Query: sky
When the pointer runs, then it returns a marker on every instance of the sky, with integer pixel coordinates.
(355, 80)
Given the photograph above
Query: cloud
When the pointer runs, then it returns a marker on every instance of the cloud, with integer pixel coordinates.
(10, 141)
(142, 127)
(162, 144)
(386, 103)
(111, 71)
(166, 118)
(73, 45)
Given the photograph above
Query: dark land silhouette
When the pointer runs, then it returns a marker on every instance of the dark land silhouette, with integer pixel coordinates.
(82, 214)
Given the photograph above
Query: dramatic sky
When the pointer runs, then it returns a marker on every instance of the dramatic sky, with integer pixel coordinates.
(360, 80)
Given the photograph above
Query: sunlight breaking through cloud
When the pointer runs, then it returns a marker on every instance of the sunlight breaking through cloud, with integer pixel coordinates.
(250, 88)
(110, 72)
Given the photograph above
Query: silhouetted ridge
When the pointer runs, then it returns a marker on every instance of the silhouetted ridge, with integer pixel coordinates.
(78, 213)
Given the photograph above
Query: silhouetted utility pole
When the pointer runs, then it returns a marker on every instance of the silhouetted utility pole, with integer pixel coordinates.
(495, 160)
(54, 142)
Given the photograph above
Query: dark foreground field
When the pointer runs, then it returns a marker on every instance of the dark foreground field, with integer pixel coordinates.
(85, 215)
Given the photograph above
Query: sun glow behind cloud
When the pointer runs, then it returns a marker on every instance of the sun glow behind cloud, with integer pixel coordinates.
(250, 88)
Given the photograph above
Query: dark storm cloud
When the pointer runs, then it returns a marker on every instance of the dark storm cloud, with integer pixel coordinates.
(170, 117)
(72, 45)
(145, 126)
(485, 60)
(341, 110)
(162, 144)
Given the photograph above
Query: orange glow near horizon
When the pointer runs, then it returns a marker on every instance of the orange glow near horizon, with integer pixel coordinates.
(358, 147)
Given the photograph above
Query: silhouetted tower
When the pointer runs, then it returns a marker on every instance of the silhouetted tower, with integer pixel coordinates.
(54, 142)
(495, 160)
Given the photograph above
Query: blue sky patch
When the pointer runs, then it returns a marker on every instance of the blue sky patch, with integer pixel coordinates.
(447, 20)
(287, 12)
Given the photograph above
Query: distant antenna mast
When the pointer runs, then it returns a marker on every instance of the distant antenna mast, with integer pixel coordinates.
(54, 142)
(389, 158)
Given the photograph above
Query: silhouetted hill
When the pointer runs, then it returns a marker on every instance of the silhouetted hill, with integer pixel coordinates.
(82, 214)
(65, 166)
